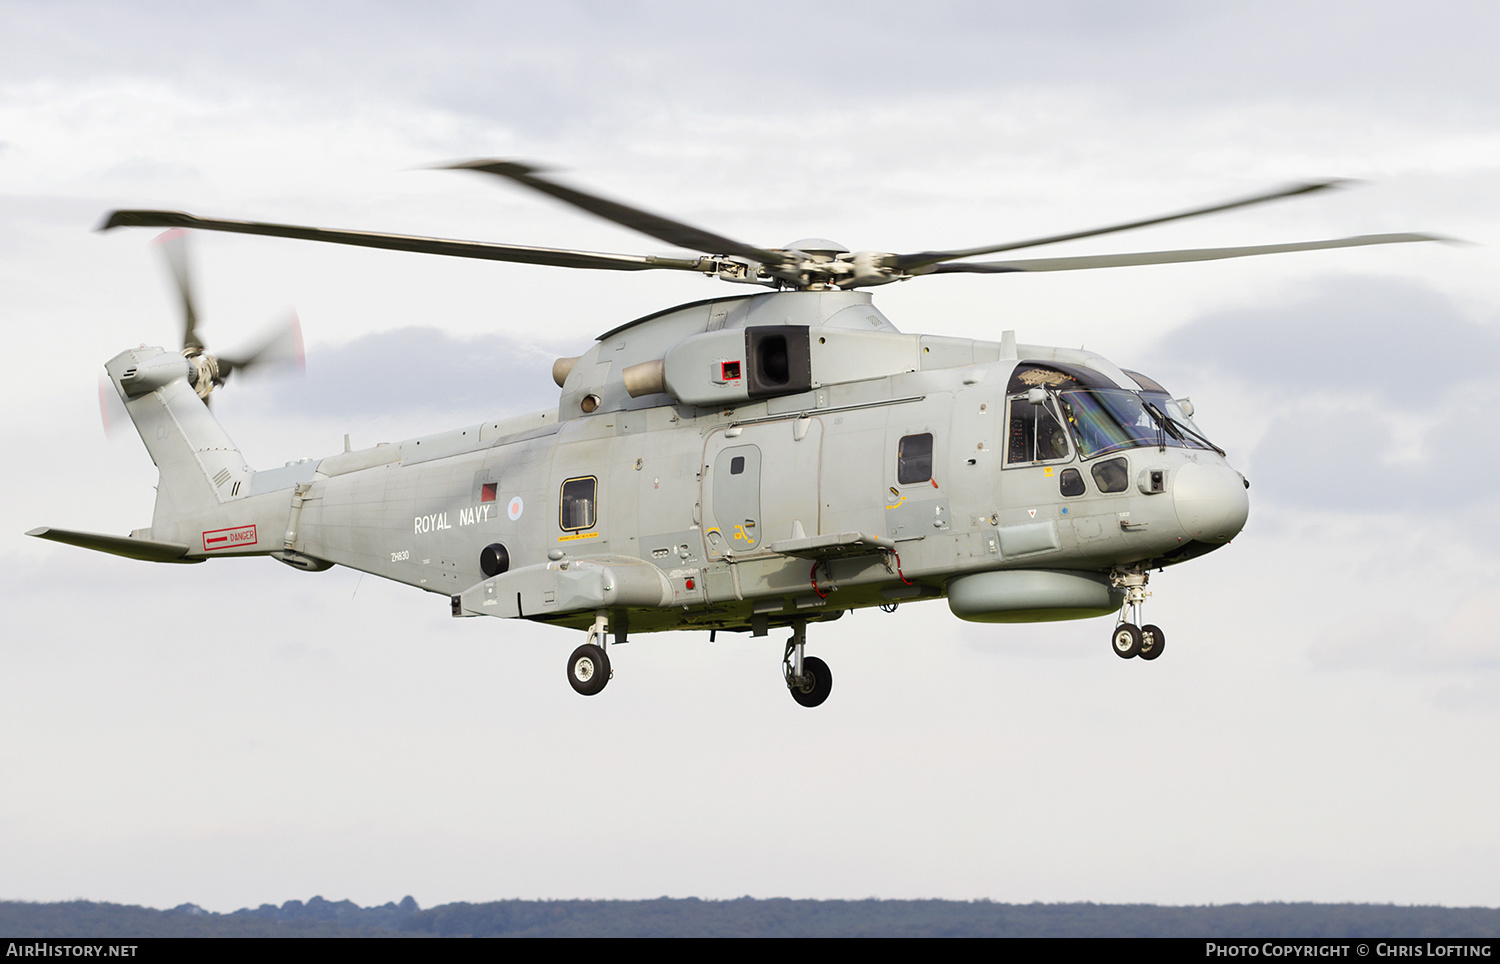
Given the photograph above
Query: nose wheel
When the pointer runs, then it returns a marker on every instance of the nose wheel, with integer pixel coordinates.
(1153, 641)
(1129, 639)
(1126, 641)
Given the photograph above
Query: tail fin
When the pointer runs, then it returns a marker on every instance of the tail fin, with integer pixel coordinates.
(201, 468)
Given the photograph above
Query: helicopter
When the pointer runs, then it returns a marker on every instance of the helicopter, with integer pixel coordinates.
(738, 464)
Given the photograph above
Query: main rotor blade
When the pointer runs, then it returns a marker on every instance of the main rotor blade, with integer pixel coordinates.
(489, 251)
(173, 247)
(654, 225)
(909, 261)
(1168, 257)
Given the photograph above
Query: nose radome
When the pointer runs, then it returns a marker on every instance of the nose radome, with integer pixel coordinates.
(1211, 501)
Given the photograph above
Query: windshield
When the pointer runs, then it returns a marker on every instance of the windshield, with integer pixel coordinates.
(1107, 420)
(1193, 435)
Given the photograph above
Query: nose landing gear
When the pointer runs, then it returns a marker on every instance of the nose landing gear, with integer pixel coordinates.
(1153, 641)
(1130, 639)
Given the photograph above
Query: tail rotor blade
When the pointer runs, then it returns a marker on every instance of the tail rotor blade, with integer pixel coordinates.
(280, 349)
(173, 246)
(111, 410)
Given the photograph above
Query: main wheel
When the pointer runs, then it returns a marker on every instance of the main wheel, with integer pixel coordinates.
(588, 669)
(1126, 640)
(817, 682)
(1153, 641)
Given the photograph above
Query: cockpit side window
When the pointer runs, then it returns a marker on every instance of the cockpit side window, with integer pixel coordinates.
(1034, 434)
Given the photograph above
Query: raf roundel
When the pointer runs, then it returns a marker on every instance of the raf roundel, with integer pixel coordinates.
(514, 509)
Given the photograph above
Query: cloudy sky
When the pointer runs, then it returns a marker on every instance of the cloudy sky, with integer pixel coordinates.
(1325, 724)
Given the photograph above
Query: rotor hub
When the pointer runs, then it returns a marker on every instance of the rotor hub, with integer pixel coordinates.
(818, 249)
(204, 371)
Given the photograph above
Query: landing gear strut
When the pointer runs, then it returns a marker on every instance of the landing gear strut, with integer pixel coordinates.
(807, 677)
(588, 667)
(1128, 638)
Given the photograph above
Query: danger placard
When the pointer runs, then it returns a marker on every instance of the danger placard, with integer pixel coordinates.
(229, 538)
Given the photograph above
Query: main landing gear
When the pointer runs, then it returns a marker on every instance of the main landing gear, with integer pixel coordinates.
(807, 677)
(588, 667)
(1128, 638)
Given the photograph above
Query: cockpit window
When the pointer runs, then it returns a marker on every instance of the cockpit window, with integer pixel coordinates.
(1168, 406)
(1107, 420)
(1112, 475)
(1034, 434)
(1147, 384)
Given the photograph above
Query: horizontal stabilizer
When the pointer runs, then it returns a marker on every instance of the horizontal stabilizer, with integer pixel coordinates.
(147, 549)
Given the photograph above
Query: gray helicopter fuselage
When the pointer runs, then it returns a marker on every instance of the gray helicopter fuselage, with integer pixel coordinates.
(733, 464)
(697, 475)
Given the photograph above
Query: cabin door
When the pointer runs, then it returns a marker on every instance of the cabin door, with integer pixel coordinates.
(734, 477)
(760, 487)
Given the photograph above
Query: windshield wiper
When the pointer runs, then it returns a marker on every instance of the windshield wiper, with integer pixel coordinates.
(1175, 427)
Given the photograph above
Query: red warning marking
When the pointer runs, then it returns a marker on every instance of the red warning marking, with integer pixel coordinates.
(225, 538)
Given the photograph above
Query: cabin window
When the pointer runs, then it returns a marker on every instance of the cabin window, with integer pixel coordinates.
(1070, 483)
(914, 459)
(577, 505)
